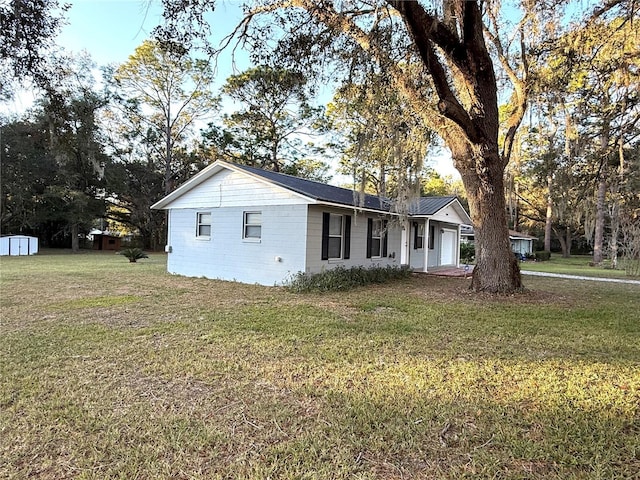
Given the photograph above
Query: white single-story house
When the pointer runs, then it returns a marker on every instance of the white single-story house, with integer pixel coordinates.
(235, 222)
(15, 245)
(521, 243)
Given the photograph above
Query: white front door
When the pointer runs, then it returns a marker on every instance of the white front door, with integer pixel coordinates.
(404, 240)
(448, 247)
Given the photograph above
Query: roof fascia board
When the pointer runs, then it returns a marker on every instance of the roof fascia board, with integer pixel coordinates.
(456, 205)
(209, 172)
(266, 181)
(354, 207)
(194, 181)
(461, 211)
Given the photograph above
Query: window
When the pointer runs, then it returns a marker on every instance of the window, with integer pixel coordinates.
(418, 235)
(432, 234)
(252, 228)
(336, 236)
(376, 238)
(203, 224)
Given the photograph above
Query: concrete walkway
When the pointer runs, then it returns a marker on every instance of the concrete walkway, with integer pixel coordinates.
(461, 272)
(579, 277)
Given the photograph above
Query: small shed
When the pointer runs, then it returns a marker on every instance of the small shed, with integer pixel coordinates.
(105, 241)
(15, 245)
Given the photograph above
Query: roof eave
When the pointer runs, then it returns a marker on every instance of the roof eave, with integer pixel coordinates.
(355, 207)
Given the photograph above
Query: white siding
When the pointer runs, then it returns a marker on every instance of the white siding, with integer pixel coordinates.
(449, 214)
(358, 254)
(433, 256)
(18, 245)
(233, 189)
(226, 256)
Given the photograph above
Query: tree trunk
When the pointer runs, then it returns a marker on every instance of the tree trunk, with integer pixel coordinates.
(615, 231)
(168, 157)
(549, 216)
(497, 269)
(563, 243)
(75, 239)
(598, 240)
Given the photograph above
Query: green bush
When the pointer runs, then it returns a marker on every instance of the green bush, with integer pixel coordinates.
(542, 256)
(133, 254)
(340, 278)
(467, 252)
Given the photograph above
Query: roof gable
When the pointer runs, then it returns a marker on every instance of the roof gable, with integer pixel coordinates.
(309, 189)
(314, 191)
(321, 191)
(431, 206)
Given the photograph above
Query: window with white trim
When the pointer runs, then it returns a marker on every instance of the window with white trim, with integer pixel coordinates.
(203, 225)
(252, 226)
(336, 236)
(418, 240)
(376, 238)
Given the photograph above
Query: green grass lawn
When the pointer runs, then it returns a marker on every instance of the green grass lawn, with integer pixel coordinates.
(110, 369)
(575, 265)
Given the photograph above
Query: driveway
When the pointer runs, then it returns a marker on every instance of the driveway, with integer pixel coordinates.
(579, 277)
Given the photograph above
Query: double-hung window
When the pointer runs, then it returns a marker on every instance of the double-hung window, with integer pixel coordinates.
(418, 235)
(252, 226)
(203, 225)
(336, 233)
(376, 238)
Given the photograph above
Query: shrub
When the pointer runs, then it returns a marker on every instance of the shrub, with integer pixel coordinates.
(542, 256)
(133, 254)
(340, 278)
(467, 252)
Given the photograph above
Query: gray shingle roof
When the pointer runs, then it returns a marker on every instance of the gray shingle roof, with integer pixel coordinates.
(429, 205)
(320, 191)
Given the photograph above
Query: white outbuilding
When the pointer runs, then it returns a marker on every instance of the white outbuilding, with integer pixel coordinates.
(15, 245)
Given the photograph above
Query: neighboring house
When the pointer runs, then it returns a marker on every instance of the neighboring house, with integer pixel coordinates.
(235, 222)
(521, 243)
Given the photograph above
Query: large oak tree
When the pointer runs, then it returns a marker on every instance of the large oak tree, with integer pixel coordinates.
(455, 45)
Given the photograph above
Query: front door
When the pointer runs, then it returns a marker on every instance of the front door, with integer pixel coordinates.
(448, 247)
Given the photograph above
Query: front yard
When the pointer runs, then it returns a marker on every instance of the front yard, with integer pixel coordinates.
(576, 265)
(111, 369)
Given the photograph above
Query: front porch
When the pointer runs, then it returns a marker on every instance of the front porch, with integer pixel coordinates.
(464, 271)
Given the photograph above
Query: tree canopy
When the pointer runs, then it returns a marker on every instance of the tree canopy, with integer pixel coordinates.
(273, 111)
(27, 28)
(406, 76)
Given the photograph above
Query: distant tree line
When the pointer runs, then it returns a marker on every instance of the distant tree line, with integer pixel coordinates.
(541, 117)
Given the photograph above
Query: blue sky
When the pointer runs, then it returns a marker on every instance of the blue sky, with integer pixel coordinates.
(110, 31)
